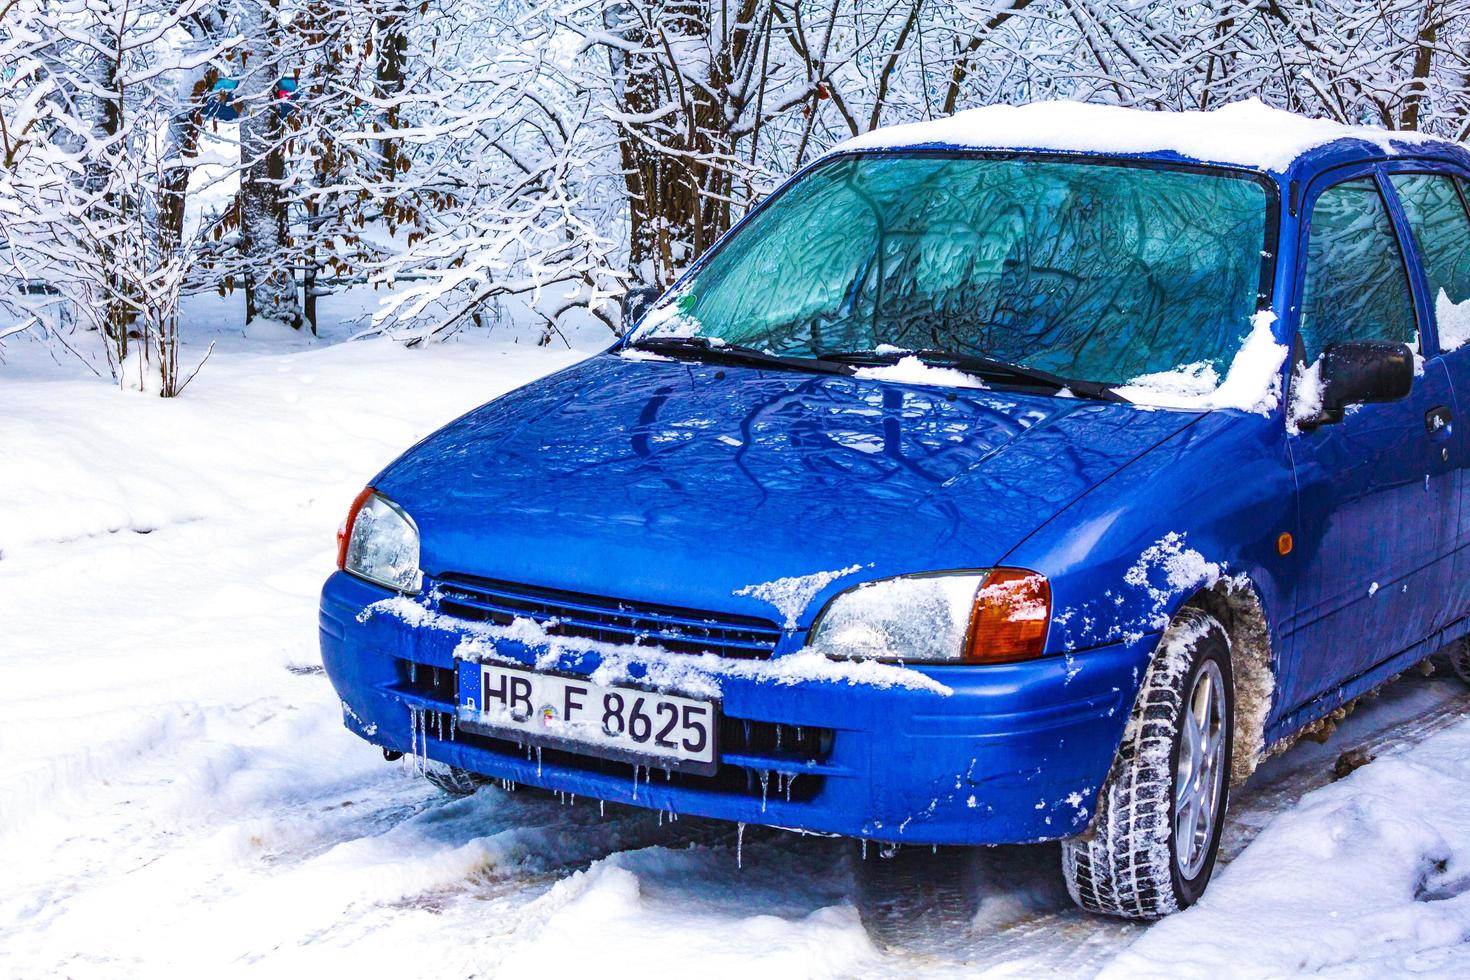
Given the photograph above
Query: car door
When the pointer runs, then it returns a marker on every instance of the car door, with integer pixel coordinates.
(1377, 492)
(1435, 210)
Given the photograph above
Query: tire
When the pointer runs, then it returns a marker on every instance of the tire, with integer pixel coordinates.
(1133, 864)
(1458, 656)
(453, 781)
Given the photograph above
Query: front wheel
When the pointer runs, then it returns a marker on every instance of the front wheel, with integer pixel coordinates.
(1153, 844)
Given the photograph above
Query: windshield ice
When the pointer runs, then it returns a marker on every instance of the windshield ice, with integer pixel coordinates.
(1087, 270)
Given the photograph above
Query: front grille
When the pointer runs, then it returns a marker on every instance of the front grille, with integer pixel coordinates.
(763, 783)
(767, 750)
(607, 620)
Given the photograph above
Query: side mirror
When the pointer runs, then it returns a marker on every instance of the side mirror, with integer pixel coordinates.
(636, 302)
(1357, 372)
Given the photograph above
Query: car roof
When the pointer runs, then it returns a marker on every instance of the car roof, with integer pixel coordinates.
(1246, 135)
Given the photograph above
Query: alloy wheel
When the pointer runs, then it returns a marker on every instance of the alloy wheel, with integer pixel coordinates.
(1199, 774)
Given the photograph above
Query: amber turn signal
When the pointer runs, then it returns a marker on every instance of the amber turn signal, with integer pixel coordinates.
(1012, 610)
(344, 533)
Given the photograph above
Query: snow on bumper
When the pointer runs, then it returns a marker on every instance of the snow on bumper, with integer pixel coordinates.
(1009, 754)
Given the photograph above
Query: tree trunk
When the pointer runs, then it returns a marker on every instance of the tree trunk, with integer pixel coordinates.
(270, 283)
(676, 165)
(184, 129)
(183, 147)
(392, 59)
(1424, 41)
(105, 199)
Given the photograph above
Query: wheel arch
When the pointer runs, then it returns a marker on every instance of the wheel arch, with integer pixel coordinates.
(1237, 605)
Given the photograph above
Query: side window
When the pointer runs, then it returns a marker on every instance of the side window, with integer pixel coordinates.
(1356, 287)
(1442, 231)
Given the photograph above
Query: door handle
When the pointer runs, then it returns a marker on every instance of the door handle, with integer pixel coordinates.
(1437, 421)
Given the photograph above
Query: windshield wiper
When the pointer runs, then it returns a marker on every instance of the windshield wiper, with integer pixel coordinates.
(985, 367)
(704, 349)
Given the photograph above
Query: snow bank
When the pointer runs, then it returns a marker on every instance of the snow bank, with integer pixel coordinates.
(629, 915)
(1247, 133)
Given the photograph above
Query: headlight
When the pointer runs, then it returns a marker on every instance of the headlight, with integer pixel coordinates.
(380, 543)
(993, 616)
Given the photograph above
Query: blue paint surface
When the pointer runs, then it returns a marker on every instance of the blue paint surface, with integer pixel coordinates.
(671, 487)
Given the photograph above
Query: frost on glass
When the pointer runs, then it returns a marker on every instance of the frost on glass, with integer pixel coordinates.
(916, 618)
(1442, 230)
(1091, 272)
(384, 546)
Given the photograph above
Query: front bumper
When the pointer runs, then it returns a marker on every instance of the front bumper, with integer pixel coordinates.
(1017, 753)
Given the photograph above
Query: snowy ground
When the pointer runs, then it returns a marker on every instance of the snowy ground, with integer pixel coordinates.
(178, 797)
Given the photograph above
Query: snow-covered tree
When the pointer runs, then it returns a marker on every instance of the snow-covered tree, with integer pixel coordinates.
(541, 156)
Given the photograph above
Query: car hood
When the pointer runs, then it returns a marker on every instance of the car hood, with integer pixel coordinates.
(688, 483)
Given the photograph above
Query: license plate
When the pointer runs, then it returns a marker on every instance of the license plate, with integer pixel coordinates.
(661, 730)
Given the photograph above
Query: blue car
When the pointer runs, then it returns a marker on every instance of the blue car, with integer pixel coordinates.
(1027, 476)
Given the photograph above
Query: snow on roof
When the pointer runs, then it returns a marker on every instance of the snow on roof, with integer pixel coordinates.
(1248, 133)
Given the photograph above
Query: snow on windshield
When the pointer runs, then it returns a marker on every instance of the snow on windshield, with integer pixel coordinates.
(912, 370)
(1252, 384)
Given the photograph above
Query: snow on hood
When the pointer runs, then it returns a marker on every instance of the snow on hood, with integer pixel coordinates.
(791, 595)
(694, 485)
(1248, 133)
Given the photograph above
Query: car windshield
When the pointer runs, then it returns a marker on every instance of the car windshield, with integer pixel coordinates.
(1085, 270)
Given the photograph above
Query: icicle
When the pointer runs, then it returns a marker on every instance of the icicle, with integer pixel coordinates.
(413, 672)
(452, 720)
(635, 782)
(798, 733)
(602, 808)
(865, 848)
(418, 737)
(765, 784)
(779, 730)
(740, 845)
(538, 761)
(790, 778)
(660, 818)
(574, 799)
